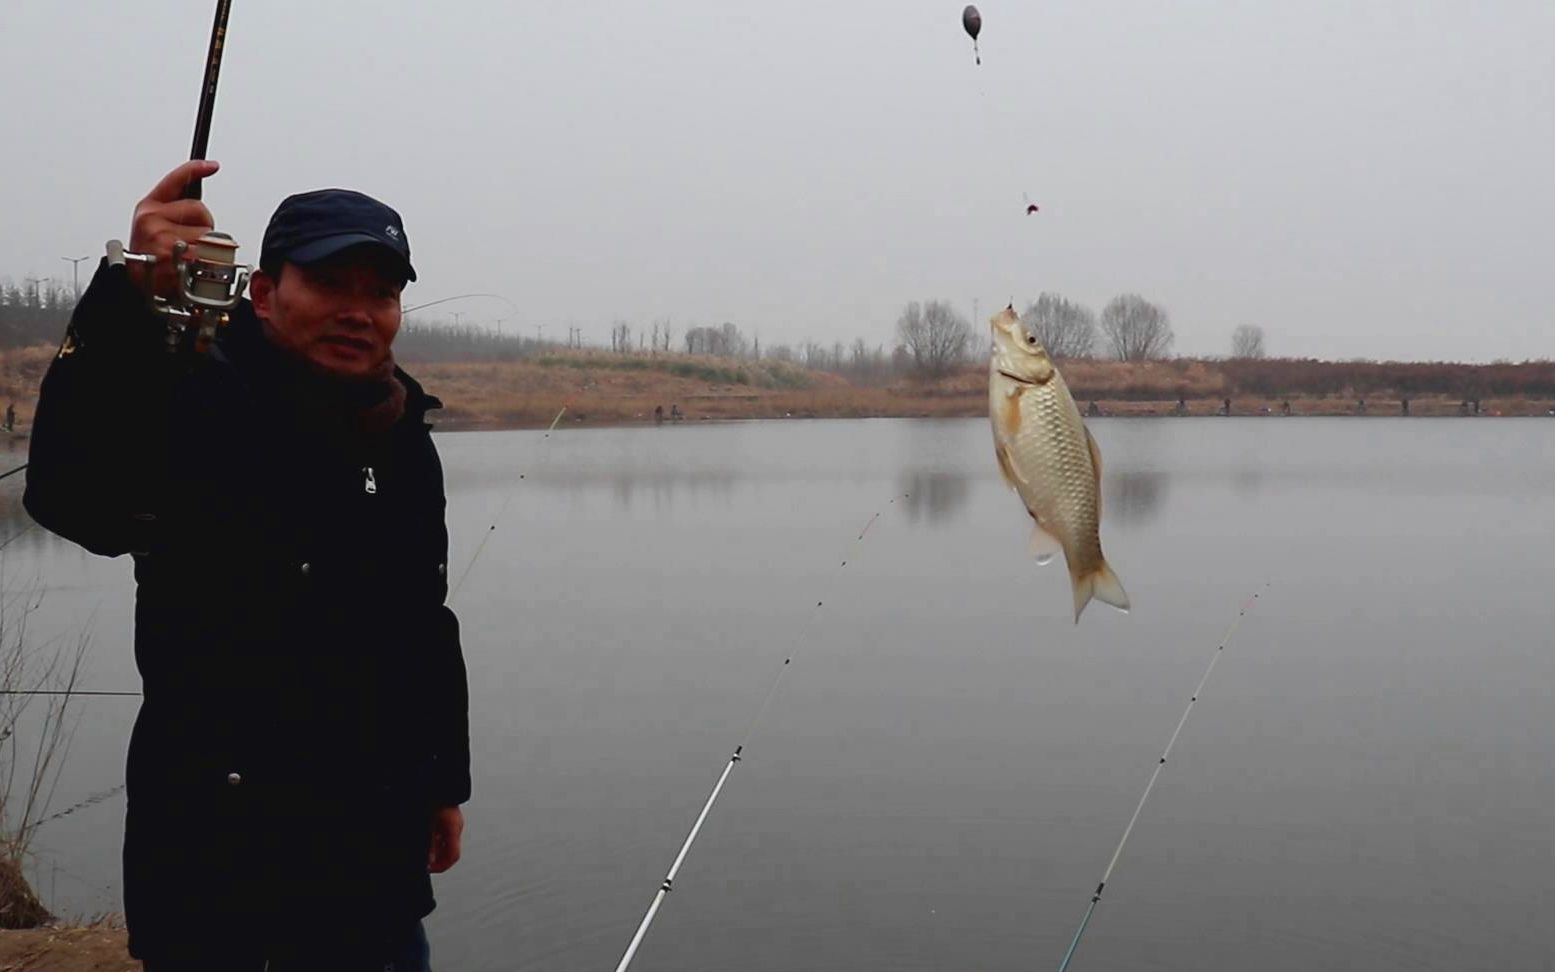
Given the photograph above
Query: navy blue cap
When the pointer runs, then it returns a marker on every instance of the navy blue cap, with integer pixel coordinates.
(313, 225)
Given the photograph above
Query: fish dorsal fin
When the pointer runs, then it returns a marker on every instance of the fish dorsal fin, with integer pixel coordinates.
(1042, 546)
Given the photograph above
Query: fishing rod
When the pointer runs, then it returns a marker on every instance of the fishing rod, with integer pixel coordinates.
(444, 300)
(211, 283)
(1160, 765)
(668, 884)
(207, 109)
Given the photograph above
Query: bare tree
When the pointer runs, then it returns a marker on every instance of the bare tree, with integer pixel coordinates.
(703, 340)
(726, 341)
(934, 335)
(38, 680)
(732, 342)
(1247, 342)
(1135, 329)
(1066, 330)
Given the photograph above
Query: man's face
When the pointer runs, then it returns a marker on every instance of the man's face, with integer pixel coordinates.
(339, 314)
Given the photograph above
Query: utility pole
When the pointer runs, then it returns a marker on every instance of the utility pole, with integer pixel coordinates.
(538, 329)
(457, 315)
(37, 290)
(75, 273)
(499, 327)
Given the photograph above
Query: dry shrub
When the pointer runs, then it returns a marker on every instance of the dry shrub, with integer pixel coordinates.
(19, 906)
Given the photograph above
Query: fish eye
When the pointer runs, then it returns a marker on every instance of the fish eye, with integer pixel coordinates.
(1031, 340)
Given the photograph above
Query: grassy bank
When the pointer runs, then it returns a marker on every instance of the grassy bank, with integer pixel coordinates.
(597, 387)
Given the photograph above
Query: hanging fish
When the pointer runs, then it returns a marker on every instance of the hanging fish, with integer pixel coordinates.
(972, 23)
(1048, 457)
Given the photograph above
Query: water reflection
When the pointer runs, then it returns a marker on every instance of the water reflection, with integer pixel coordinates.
(1134, 496)
(598, 726)
(628, 484)
(657, 486)
(17, 530)
(933, 495)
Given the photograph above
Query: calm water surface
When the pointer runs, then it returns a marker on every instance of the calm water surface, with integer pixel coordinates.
(949, 762)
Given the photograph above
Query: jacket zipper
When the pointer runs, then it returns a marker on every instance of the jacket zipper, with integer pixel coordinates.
(371, 484)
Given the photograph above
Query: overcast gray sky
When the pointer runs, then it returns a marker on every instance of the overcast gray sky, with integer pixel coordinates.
(1360, 178)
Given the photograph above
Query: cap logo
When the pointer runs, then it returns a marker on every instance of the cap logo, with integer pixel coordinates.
(393, 233)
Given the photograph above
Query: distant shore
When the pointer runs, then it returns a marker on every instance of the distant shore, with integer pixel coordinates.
(605, 413)
(603, 388)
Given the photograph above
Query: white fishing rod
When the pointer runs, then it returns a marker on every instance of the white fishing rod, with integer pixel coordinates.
(668, 883)
(1160, 765)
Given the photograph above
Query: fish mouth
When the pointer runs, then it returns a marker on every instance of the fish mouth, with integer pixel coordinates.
(1017, 378)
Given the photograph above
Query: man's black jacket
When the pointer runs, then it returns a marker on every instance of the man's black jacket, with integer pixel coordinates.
(305, 699)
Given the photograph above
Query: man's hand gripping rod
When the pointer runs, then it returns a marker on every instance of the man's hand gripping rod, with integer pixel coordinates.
(210, 284)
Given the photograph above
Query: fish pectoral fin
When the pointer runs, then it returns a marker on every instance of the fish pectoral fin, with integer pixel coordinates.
(1042, 546)
(1007, 468)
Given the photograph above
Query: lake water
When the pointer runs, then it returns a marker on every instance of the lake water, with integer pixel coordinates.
(1366, 783)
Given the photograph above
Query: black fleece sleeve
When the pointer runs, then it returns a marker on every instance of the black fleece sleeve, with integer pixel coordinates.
(450, 690)
(451, 715)
(100, 433)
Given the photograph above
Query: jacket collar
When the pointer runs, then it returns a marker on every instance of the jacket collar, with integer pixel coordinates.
(243, 343)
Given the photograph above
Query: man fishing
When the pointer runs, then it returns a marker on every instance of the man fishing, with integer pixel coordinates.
(301, 753)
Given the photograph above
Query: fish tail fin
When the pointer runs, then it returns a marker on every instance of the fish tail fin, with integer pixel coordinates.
(1101, 584)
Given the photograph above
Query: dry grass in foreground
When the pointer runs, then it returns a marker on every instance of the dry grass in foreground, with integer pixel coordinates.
(98, 947)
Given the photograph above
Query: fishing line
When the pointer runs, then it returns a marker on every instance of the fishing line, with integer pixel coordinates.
(503, 509)
(17, 535)
(444, 300)
(1014, 218)
(1160, 764)
(777, 680)
(89, 801)
(12, 472)
(70, 693)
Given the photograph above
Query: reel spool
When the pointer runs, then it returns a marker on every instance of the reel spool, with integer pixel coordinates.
(209, 287)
